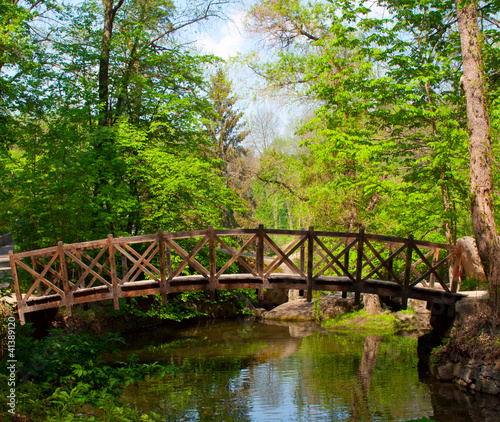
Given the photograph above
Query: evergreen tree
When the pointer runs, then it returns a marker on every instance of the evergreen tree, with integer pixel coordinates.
(228, 132)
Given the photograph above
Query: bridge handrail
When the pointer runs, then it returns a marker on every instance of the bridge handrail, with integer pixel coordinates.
(95, 275)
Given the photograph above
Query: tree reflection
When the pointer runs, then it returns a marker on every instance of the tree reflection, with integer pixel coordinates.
(359, 404)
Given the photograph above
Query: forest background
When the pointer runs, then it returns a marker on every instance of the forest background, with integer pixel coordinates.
(112, 121)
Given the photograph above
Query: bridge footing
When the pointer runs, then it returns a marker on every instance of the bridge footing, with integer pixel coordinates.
(441, 320)
(442, 317)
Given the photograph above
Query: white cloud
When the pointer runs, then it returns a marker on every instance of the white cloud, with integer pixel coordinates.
(228, 41)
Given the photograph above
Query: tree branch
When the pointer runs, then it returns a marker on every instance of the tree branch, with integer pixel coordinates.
(288, 188)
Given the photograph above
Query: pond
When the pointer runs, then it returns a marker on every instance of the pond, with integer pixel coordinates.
(270, 371)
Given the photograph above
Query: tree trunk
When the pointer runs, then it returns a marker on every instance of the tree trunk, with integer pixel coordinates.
(109, 17)
(481, 186)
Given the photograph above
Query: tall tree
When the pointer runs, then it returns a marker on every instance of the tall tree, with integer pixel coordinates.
(226, 129)
(228, 133)
(481, 186)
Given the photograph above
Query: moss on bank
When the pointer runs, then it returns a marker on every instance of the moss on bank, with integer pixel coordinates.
(386, 322)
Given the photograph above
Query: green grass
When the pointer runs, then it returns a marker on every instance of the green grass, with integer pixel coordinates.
(362, 321)
(409, 311)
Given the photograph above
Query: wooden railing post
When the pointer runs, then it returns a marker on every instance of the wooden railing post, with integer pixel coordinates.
(163, 275)
(168, 263)
(19, 297)
(302, 261)
(213, 263)
(346, 264)
(302, 256)
(409, 252)
(390, 263)
(124, 267)
(114, 278)
(64, 277)
(359, 267)
(310, 252)
(260, 259)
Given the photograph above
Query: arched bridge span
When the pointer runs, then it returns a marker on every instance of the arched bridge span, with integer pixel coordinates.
(164, 263)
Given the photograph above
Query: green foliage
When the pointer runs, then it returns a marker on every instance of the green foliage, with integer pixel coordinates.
(227, 131)
(63, 373)
(184, 306)
(152, 308)
(439, 352)
(74, 170)
(471, 284)
(387, 147)
(317, 313)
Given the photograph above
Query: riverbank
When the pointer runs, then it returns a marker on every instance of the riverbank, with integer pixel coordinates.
(337, 313)
(470, 356)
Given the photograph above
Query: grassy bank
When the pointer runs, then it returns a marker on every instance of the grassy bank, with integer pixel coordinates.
(386, 322)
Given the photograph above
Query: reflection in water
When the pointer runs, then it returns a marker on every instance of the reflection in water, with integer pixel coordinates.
(359, 404)
(229, 371)
(453, 404)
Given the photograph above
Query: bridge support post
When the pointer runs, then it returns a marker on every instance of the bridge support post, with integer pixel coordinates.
(390, 263)
(114, 278)
(346, 264)
(64, 277)
(455, 269)
(163, 275)
(19, 297)
(212, 259)
(259, 262)
(302, 262)
(359, 267)
(409, 252)
(310, 252)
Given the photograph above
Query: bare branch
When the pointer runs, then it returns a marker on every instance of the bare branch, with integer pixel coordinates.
(288, 188)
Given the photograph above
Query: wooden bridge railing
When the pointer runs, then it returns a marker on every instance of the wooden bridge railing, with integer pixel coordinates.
(163, 263)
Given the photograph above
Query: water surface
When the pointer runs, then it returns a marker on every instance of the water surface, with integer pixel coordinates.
(255, 371)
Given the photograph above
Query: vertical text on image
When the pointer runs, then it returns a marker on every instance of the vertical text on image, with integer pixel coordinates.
(11, 364)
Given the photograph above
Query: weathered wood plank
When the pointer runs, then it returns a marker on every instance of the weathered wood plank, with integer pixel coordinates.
(334, 259)
(135, 261)
(145, 258)
(212, 262)
(163, 274)
(235, 255)
(88, 269)
(185, 235)
(134, 239)
(114, 276)
(188, 259)
(281, 257)
(235, 232)
(284, 256)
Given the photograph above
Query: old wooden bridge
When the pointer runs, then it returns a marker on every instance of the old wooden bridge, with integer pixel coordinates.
(165, 263)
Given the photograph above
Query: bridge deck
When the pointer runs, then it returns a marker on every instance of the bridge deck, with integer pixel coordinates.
(111, 269)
